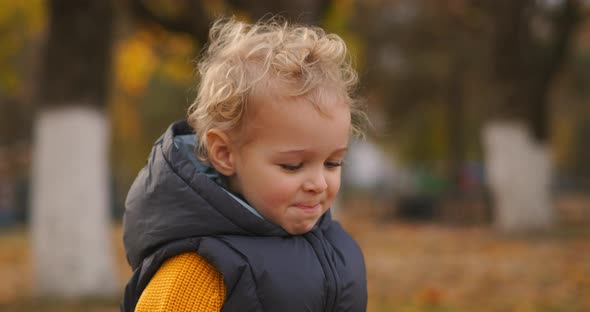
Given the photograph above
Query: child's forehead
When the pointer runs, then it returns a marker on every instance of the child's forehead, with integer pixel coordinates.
(321, 98)
(273, 115)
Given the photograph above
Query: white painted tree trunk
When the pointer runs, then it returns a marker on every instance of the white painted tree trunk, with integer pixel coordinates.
(72, 246)
(519, 174)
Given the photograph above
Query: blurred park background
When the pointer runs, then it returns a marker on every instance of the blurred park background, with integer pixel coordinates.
(471, 191)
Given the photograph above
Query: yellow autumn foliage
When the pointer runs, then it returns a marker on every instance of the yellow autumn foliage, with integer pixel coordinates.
(178, 64)
(21, 23)
(135, 62)
(337, 21)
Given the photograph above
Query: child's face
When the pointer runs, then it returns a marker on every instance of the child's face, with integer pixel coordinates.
(289, 167)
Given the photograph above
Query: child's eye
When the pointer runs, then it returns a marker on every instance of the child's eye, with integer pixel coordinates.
(332, 164)
(291, 167)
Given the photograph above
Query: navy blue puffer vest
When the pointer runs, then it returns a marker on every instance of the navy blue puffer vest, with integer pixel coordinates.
(175, 207)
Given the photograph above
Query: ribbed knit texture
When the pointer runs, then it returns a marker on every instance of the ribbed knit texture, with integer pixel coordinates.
(186, 282)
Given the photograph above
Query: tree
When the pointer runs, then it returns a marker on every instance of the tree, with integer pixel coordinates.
(192, 17)
(70, 199)
(497, 58)
(529, 44)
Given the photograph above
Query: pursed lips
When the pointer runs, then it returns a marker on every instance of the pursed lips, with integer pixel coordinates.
(308, 207)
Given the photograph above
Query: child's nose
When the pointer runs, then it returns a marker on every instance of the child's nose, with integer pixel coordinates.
(316, 182)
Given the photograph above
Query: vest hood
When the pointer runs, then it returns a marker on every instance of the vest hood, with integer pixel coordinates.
(174, 197)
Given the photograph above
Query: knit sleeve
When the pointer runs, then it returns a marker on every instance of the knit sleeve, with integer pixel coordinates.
(186, 282)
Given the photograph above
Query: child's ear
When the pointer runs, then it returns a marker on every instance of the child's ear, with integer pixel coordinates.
(220, 152)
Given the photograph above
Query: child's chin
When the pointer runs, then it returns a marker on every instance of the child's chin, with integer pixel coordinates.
(300, 229)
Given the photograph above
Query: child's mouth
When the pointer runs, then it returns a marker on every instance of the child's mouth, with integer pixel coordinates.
(312, 207)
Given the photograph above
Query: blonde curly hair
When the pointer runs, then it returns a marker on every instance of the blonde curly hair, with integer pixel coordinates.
(243, 59)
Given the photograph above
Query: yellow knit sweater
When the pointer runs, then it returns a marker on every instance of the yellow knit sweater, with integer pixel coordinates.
(186, 282)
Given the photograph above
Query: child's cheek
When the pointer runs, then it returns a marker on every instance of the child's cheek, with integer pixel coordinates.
(281, 194)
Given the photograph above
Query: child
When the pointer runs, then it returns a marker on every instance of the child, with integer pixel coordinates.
(243, 223)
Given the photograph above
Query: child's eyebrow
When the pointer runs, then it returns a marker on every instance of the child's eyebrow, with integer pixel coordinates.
(304, 150)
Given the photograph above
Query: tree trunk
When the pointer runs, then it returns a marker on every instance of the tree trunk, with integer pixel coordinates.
(519, 172)
(524, 67)
(455, 117)
(71, 239)
(70, 220)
